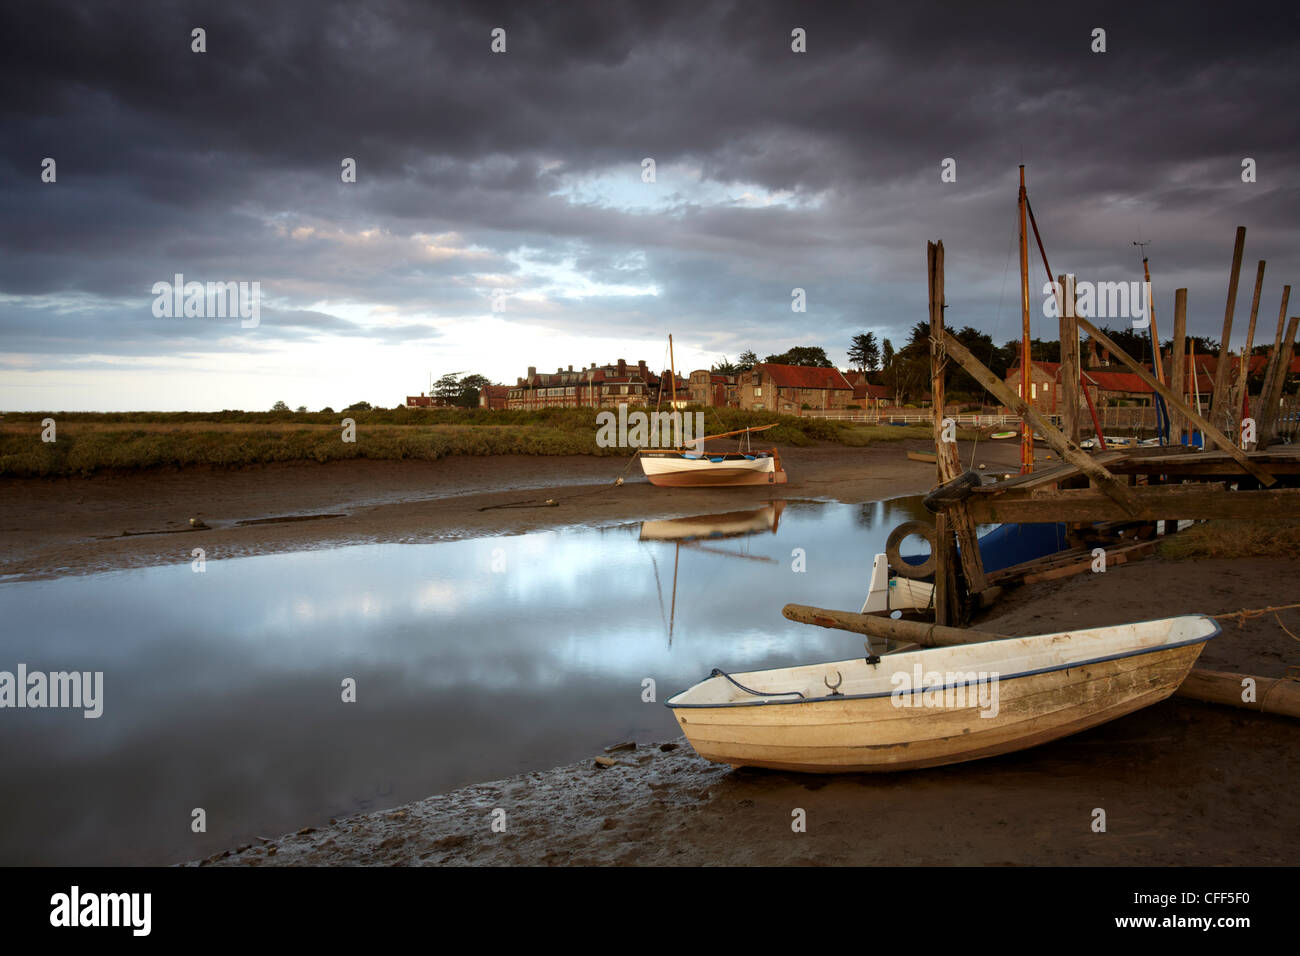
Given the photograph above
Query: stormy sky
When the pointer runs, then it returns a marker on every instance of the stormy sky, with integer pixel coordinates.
(499, 217)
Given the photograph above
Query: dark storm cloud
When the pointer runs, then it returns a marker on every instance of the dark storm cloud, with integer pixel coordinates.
(225, 166)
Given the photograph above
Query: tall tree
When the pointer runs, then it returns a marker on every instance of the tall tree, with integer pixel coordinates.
(726, 367)
(864, 352)
(886, 355)
(813, 355)
(470, 388)
(748, 359)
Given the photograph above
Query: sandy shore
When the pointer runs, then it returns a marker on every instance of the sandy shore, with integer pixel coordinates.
(1181, 782)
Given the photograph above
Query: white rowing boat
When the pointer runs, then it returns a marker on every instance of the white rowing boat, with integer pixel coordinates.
(943, 705)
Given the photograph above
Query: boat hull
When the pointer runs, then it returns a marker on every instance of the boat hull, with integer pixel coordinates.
(874, 733)
(672, 470)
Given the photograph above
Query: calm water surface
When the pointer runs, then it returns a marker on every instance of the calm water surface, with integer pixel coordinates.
(473, 660)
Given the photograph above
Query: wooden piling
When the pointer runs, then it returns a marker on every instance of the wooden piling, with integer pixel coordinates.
(948, 467)
(1266, 417)
(1178, 365)
(1243, 377)
(1211, 433)
(1115, 489)
(1220, 413)
(1069, 384)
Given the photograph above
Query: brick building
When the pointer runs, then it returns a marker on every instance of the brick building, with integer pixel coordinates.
(493, 397)
(787, 388)
(593, 387)
(710, 388)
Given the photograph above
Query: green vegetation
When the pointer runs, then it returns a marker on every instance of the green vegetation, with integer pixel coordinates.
(94, 442)
(1278, 538)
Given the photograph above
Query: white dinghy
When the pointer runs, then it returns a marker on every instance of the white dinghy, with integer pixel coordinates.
(941, 705)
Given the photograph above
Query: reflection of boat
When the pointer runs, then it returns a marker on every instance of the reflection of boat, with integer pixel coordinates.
(1002, 435)
(693, 530)
(681, 467)
(727, 525)
(925, 708)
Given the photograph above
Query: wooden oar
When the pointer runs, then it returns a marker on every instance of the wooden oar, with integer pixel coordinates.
(756, 428)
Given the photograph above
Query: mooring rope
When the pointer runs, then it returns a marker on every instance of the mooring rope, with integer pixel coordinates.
(757, 693)
(1244, 615)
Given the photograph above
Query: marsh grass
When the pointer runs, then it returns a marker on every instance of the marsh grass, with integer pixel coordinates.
(90, 442)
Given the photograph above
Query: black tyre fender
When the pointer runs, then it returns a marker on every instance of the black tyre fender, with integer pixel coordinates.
(905, 569)
(952, 492)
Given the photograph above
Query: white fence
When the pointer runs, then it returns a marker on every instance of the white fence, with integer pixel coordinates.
(910, 417)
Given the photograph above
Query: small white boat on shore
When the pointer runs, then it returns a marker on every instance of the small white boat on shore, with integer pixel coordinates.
(695, 468)
(926, 708)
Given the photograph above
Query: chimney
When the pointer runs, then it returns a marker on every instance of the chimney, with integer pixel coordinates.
(645, 373)
(622, 368)
(570, 368)
(518, 380)
(532, 371)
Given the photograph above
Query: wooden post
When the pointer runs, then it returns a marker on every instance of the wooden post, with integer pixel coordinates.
(1220, 413)
(1243, 376)
(948, 463)
(1211, 433)
(1069, 384)
(1115, 489)
(1283, 364)
(1266, 417)
(1026, 366)
(1177, 374)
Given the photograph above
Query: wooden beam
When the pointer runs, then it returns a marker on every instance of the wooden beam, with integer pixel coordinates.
(947, 460)
(926, 635)
(1069, 384)
(1243, 377)
(1178, 371)
(1108, 483)
(1272, 695)
(1267, 414)
(1219, 410)
(1171, 399)
(1154, 503)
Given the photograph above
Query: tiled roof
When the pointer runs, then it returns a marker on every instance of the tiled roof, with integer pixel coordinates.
(805, 376)
(1118, 382)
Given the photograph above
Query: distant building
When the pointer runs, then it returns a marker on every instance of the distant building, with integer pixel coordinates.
(713, 389)
(493, 397)
(426, 401)
(866, 395)
(788, 388)
(598, 386)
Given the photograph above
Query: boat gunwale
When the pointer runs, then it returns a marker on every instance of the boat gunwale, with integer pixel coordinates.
(1031, 673)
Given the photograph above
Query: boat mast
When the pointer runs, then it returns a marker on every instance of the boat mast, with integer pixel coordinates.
(1151, 313)
(672, 385)
(1026, 433)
